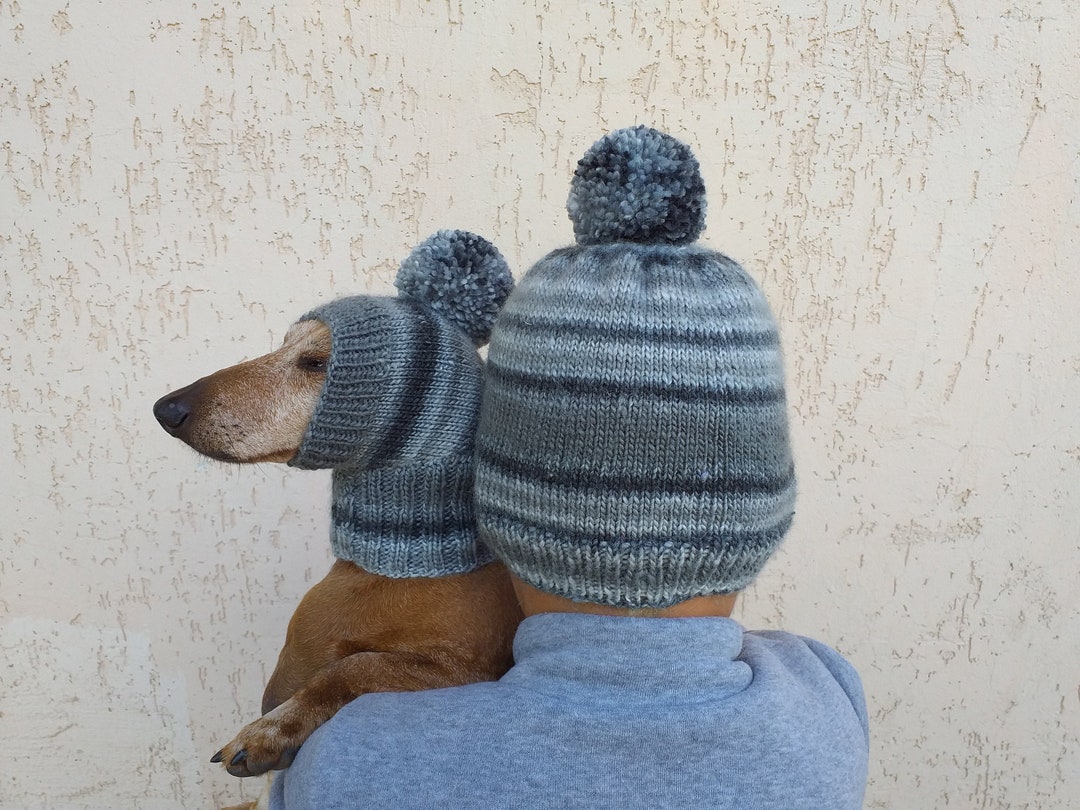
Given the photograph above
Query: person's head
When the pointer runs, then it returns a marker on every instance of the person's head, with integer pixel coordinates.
(633, 444)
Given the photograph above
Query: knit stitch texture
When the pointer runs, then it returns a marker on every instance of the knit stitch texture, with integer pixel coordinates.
(397, 416)
(633, 444)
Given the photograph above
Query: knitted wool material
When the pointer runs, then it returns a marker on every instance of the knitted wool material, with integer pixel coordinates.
(633, 443)
(397, 416)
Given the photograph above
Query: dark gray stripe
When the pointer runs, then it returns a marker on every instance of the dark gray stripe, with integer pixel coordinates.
(625, 483)
(422, 357)
(550, 384)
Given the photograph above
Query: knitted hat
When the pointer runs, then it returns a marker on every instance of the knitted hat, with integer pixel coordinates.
(397, 414)
(633, 440)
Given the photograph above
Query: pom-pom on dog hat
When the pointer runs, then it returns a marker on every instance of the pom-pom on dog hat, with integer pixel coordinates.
(397, 415)
(633, 444)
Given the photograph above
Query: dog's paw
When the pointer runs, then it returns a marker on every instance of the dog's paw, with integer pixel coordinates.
(268, 744)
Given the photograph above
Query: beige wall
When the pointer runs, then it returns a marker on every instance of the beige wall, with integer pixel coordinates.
(180, 180)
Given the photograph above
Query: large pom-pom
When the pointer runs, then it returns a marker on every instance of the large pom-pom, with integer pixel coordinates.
(460, 276)
(637, 185)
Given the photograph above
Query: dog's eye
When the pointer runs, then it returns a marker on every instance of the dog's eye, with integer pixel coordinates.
(313, 363)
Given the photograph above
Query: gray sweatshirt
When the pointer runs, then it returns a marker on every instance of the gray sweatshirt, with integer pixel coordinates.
(603, 712)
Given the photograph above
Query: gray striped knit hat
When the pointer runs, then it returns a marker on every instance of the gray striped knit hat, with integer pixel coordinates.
(397, 416)
(633, 441)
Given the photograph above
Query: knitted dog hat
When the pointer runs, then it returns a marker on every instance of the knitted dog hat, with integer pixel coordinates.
(633, 440)
(397, 415)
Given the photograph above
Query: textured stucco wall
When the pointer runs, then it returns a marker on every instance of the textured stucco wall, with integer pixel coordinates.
(180, 180)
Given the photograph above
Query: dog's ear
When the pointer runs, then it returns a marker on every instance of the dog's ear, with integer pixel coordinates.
(459, 276)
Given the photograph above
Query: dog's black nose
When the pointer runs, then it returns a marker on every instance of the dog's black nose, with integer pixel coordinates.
(171, 412)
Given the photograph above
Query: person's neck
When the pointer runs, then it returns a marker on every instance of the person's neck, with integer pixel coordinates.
(534, 601)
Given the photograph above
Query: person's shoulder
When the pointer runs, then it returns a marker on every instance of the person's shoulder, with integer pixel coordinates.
(801, 649)
(386, 749)
(453, 704)
(810, 660)
(406, 719)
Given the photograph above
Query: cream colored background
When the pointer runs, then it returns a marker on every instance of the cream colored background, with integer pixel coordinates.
(181, 180)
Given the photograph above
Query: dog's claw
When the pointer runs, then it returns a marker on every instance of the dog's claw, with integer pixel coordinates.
(262, 746)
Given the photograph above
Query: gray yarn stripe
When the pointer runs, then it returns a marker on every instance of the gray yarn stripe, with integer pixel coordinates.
(632, 281)
(724, 334)
(630, 306)
(661, 483)
(663, 366)
(721, 391)
(564, 508)
(627, 307)
(564, 434)
(419, 351)
(452, 398)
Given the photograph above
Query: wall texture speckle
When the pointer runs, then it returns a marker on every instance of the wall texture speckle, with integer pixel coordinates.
(180, 180)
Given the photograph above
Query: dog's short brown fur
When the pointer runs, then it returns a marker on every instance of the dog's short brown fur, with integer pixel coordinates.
(354, 632)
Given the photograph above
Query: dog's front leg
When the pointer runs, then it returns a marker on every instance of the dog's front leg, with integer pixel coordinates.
(271, 742)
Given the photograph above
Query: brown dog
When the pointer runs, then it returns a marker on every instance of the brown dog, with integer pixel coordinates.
(355, 632)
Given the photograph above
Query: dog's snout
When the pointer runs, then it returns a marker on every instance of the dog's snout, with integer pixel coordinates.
(172, 411)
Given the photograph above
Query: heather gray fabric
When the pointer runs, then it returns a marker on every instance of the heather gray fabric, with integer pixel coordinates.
(606, 712)
(633, 442)
(397, 416)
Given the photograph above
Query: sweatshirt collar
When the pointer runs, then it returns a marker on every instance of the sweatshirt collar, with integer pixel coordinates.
(628, 660)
